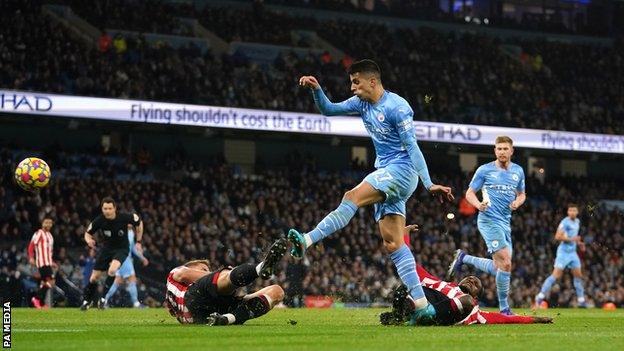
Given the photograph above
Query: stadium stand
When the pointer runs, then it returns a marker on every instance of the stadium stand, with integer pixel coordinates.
(536, 84)
(213, 210)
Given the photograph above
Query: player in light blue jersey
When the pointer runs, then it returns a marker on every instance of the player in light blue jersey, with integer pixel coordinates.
(126, 273)
(568, 234)
(388, 119)
(502, 185)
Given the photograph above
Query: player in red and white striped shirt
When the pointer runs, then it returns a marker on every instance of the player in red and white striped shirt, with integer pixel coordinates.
(40, 255)
(197, 295)
(455, 303)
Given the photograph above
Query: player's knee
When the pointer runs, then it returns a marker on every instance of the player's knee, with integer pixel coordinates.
(505, 266)
(349, 195)
(277, 293)
(95, 275)
(391, 246)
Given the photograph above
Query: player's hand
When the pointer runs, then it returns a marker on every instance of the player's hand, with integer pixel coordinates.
(483, 206)
(90, 242)
(309, 82)
(581, 246)
(542, 320)
(514, 205)
(55, 265)
(411, 228)
(442, 192)
(139, 248)
(145, 262)
(31, 261)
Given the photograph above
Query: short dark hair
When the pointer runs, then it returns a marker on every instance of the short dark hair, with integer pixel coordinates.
(47, 216)
(108, 200)
(365, 66)
(572, 204)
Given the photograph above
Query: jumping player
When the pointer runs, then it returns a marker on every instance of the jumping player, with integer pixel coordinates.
(388, 119)
(568, 234)
(113, 229)
(502, 185)
(40, 251)
(200, 296)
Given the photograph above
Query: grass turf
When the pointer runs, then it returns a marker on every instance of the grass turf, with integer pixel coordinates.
(330, 329)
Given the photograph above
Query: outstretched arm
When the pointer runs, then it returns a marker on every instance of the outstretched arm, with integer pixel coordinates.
(188, 275)
(326, 107)
(405, 126)
(31, 252)
(139, 254)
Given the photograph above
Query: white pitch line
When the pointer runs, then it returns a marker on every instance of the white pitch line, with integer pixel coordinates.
(49, 330)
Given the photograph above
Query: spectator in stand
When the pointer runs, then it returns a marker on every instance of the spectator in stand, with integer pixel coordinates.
(105, 42)
(230, 217)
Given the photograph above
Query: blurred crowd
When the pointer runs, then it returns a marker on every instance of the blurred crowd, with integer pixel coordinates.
(431, 10)
(471, 78)
(212, 210)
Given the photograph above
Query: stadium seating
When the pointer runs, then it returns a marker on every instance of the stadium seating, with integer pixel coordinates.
(545, 85)
(229, 217)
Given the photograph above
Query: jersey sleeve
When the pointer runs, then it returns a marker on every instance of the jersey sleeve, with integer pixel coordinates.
(561, 225)
(134, 219)
(521, 185)
(478, 179)
(94, 226)
(350, 106)
(31, 247)
(402, 116)
(36, 237)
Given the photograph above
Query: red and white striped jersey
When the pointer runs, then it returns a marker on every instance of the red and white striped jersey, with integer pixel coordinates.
(174, 298)
(450, 289)
(40, 248)
(476, 316)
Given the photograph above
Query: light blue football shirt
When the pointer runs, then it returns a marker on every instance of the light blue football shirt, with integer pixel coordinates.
(500, 186)
(390, 124)
(571, 228)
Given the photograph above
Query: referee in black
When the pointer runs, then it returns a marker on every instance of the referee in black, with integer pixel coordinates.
(112, 230)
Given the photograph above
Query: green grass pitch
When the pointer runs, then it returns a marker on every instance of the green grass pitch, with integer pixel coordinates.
(330, 329)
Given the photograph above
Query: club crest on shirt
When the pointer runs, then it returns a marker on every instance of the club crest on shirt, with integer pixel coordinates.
(495, 243)
(381, 117)
(515, 177)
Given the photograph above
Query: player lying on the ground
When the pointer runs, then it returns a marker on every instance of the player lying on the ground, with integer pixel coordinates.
(197, 295)
(454, 304)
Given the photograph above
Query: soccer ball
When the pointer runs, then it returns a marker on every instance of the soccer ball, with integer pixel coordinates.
(32, 174)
